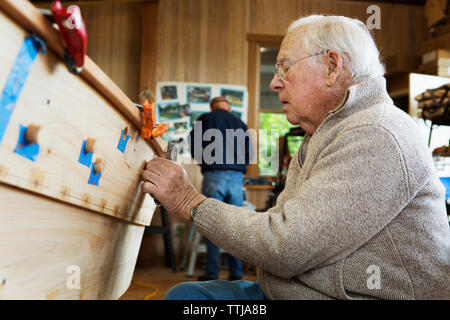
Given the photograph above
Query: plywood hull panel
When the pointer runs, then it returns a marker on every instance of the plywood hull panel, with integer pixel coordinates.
(68, 112)
(45, 245)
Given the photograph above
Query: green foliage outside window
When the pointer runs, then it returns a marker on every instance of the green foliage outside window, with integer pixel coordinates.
(268, 145)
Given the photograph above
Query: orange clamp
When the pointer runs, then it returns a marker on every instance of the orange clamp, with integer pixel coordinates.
(160, 129)
(149, 120)
(148, 129)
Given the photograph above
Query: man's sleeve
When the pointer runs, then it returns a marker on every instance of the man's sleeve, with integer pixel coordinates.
(357, 186)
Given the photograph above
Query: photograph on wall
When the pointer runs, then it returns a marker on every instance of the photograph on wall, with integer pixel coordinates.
(170, 134)
(185, 110)
(195, 115)
(169, 111)
(169, 92)
(197, 94)
(181, 103)
(181, 127)
(235, 97)
(178, 133)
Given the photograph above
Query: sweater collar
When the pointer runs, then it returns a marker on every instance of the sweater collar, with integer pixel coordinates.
(363, 95)
(357, 97)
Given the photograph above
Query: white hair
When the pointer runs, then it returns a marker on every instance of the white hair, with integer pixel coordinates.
(348, 36)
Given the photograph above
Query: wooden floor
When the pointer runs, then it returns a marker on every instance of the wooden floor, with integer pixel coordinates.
(153, 283)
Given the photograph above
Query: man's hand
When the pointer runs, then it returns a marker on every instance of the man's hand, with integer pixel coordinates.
(167, 182)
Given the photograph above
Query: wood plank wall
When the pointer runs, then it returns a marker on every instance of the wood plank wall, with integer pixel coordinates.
(402, 26)
(205, 41)
(202, 41)
(149, 32)
(114, 40)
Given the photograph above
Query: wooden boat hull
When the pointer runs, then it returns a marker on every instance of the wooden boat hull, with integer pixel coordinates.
(67, 231)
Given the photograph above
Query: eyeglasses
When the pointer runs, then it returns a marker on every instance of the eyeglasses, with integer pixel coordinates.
(280, 70)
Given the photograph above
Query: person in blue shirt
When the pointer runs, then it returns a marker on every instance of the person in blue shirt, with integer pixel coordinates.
(220, 143)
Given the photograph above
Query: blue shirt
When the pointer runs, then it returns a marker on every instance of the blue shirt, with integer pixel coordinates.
(235, 157)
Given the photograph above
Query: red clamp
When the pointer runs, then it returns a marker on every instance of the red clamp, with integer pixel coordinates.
(73, 32)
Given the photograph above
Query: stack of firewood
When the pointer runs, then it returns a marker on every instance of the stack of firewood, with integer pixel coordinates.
(443, 151)
(434, 104)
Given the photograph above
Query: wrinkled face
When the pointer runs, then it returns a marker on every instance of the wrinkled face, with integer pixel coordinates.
(303, 89)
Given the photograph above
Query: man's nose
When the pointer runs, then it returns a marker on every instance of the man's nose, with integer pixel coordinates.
(276, 84)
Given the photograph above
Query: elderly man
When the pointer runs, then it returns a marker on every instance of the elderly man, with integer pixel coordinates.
(362, 214)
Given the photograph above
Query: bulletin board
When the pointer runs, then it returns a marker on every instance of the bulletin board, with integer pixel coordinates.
(181, 103)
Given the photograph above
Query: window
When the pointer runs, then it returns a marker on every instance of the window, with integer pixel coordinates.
(268, 100)
(271, 117)
(269, 143)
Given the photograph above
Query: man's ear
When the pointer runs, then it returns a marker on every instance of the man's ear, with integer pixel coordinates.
(335, 64)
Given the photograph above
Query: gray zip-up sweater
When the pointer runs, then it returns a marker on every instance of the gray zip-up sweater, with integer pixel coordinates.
(362, 214)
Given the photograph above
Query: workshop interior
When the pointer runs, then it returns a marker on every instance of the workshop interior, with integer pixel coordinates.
(92, 90)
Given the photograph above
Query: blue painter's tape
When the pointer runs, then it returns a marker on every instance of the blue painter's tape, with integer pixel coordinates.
(123, 142)
(85, 158)
(94, 177)
(16, 79)
(25, 148)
